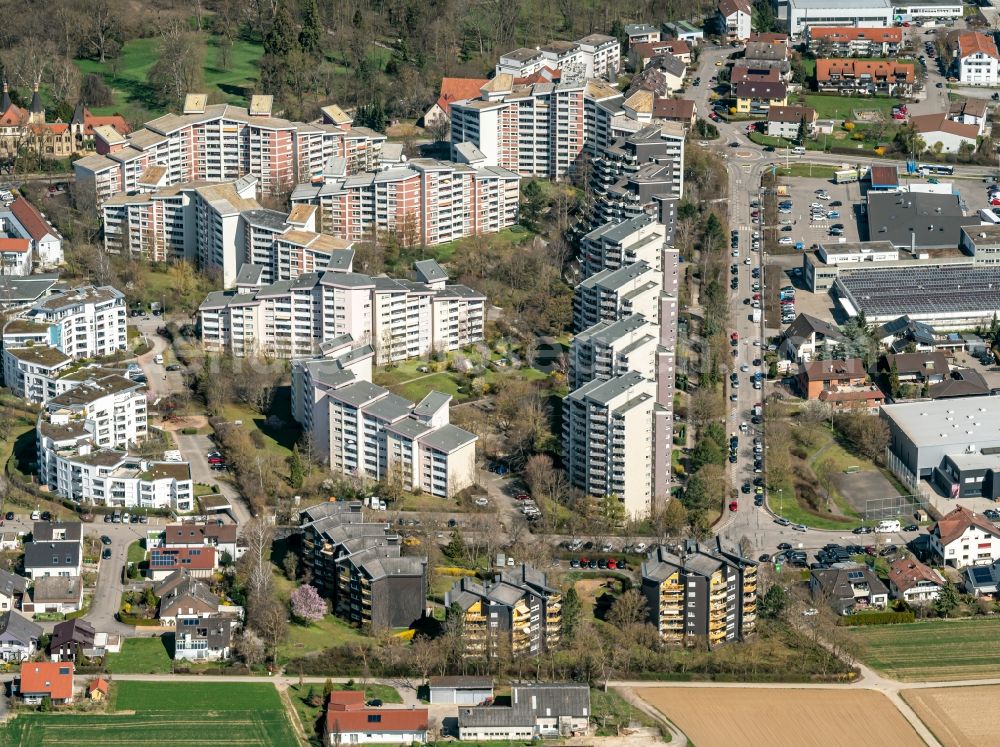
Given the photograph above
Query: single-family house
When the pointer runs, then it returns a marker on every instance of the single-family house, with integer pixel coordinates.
(970, 112)
(641, 33)
(961, 382)
(919, 368)
(683, 111)
(460, 690)
(640, 54)
(977, 58)
(53, 559)
(816, 377)
(200, 562)
(12, 589)
(900, 333)
(182, 595)
(964, 537)
(24, 221)
(97, 690)
(558, 709)
(667, 71)
(18, 637)
(211, 534)
(944, 135)
(848, 590)
(69, 637)
(349, 720)
(55, 594)
(204, 638)
(733, 19)
(914, 582)
(787, 121)
(809, 337)
(45, 679)
(853, 76)
(758, 98)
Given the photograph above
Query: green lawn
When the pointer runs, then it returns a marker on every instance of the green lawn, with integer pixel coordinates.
(141, 656)
(841, 107)
(136, 554)
(784, 504)
(194, 714)
(330, 631)
(932, 650)
(277, 440)
(129, 85)
(813, 170)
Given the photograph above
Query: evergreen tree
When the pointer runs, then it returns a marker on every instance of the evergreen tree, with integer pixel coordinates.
(296, 470)
(456, 547)
(800, 136)
(618, 31)
(570, 614)
(309, 36)
(280, 39)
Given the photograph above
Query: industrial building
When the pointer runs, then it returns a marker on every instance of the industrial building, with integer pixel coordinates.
(798, 15)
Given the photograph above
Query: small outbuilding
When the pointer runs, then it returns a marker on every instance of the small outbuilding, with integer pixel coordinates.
(460, 690)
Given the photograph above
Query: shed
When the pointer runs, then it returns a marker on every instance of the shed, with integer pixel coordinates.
(460, 690)
(884, 177)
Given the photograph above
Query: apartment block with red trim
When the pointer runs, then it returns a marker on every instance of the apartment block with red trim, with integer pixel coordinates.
(221, 142)
(426, 201)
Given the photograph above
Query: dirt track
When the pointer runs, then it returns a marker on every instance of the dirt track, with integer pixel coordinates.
(752, 717)
(958, 716)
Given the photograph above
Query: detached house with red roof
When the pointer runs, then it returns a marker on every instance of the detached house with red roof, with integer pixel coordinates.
(349, 721)
(964, 537)
(23, 222)
(45, 679)
(452, 89)
(977, 59)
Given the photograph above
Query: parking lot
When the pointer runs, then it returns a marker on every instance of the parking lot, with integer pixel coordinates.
(802, 193)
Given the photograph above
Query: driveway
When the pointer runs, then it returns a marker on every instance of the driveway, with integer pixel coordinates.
(194, 449)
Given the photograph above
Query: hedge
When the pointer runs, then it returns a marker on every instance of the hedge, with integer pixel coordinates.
(877, 618)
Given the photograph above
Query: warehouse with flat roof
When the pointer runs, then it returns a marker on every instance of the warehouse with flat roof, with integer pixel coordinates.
(798, 15)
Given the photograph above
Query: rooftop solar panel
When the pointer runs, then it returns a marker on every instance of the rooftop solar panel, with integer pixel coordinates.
(925, 290)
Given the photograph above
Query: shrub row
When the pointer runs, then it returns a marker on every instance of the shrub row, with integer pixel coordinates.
(876, 618)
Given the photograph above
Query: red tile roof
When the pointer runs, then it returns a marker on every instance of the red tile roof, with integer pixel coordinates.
(791, 114)
(458, 89)
(98, 685)
(648, 50)
(20, 246)
(973, 42)
(32, 221)
(54, 679)
(14, 116)
(905, 573)
(825, 69)
(190, 558)
(893, 35)
(114, 120)
(925, 123)
(884, 176)
(679, 109)
(953, 525)
(346, 713)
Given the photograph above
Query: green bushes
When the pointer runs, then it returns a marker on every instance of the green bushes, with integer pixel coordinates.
(189, 431)
(877, 618)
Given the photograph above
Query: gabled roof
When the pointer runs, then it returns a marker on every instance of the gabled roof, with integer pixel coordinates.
(791, 114)
(674, 109)
(973, 42)
(806, 325)
(952, 526)
(929, 123)
(963, 383)
(890, 35)
(729, 7)
(11, 583)
(458, 89)
(347, 713)
(32, 221)
(831, 370)
(925, 364)
(20, 628)
(826, 69)
(54, 679)
(905, 573)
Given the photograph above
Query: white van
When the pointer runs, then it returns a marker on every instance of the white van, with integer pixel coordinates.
(158, 359)
(798, 150)
(887, 526)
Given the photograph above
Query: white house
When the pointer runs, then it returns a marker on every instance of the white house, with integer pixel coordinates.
(978, 59)
(204, 638)
(535, 711)
(785, 121)
(18, 637)
(349, 721)
(935, 129)
(963, 538)
(912, 581)
(24, 221)
(15, 256)
(734, 19)
(12, 589)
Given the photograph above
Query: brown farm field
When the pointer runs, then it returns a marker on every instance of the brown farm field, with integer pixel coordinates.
(776, 717)
(958, 716)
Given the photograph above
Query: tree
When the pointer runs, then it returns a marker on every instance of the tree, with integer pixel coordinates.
(456, 547)
(271, 622)
(290, 564)
(571, 610)
(179, 64)
(762, 16)
(612, 511)
(773, 602)
(258, 534)
(800, 136)
(311, 31)
(296, 470)
(705, 406)
(532, 203)
(250, 648)
(947, 600)
(307, 605)
(627, 610)
(673, 518)
(894, 379)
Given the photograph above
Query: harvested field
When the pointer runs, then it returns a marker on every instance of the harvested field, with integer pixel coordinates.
(775, 717)
(958, 716)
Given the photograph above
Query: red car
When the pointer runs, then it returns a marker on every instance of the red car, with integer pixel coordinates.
(713, 116)
(733, 506)
(216, 460)
(612, 564)
(756, 296)
(521, 496)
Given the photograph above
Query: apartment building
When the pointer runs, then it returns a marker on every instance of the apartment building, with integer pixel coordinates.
(221, 142)
(610, 295)
(111, 408)
(641, 173)
(291, 318)
(360, 565)
(757, 98)
(611, 349)
(607, 436)
(697, 592)
(517, 612)
(425, 201)
(733, 19)
(978, 59)
(83, 322)
(848, 76)
(33, 373)
(593, 56)
(614, 245)
(850, 41)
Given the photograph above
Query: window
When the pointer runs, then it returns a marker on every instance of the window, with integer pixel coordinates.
(374, 718)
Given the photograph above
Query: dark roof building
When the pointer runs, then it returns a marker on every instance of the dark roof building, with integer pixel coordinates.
(551, 710)
(848, 590)
(69, 636)
(917, 220)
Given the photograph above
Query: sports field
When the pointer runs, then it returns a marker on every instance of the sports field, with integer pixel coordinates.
(166, 714)
(958, 716)
(932, 649)
(780, 717)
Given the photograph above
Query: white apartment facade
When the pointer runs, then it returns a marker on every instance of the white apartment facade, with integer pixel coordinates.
(111, 409)
(734, 19)
(978, 60)
(612, 246)
(611, 349)
(593, 56)
(84, 322)
(607, 440)
(221, 142)
(33, 373)
(291, 319)
(611, 295)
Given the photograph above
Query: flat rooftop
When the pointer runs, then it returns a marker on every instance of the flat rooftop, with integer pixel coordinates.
(840, 4)
(917, 219)
(922, 290)
(949, 422)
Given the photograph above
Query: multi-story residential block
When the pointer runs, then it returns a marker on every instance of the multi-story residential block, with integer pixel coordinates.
(424, 201)
(641, 33)
(611, 349)
(872, 77)
(361, 567)
(34, 372)
(517, 612)
(84, 322)
(111, 408)
(607, 440)
(733, 19)
(291, 318)
(849, 41)
(611, 295)
(700, 593)
(593, 56)
(612, 246)
(978, 59)
(641, 173)
(757, 98)
(221, 142)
